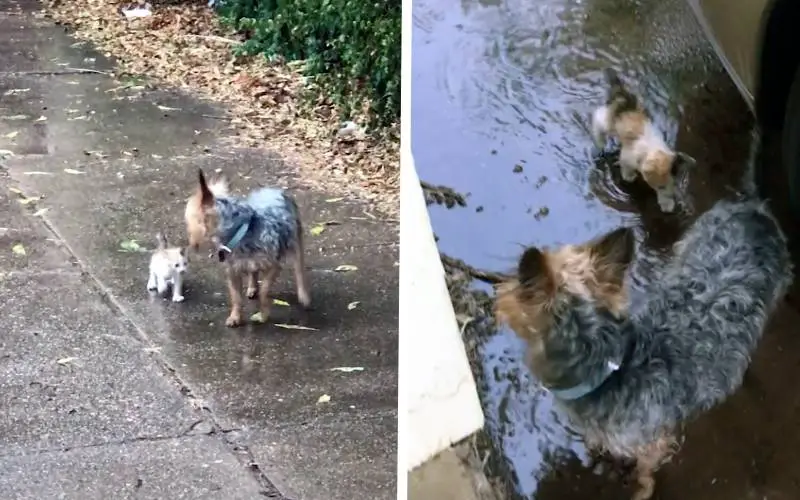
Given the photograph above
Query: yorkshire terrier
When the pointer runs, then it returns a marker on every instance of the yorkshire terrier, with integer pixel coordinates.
(629, 380)
(252, 236)
(643, 148)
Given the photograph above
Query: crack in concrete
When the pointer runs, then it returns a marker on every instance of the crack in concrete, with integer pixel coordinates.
(240, 451)
(120, 442)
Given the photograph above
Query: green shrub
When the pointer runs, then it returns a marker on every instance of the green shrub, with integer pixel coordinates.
(351, 47)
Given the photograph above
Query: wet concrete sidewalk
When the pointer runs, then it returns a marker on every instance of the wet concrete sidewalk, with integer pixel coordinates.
(111, 394)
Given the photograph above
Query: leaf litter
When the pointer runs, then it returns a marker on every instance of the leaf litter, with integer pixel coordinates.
(184, 45)
(19, 249)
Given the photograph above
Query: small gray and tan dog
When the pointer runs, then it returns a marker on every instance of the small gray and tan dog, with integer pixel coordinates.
(629, 381)
(252, 235)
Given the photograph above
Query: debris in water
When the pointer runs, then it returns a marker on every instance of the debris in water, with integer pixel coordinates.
(344, 268)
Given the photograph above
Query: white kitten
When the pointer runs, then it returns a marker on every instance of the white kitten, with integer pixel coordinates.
(167, 267)
(643, 150)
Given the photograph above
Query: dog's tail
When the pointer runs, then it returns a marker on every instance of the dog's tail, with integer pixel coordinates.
(620, 99)
(162, 241)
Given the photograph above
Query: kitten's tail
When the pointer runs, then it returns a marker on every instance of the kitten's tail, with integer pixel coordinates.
(162, 241)
(620, 99)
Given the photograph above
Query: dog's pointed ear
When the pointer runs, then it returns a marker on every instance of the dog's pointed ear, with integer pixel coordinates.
(533, 270)
(206, 196)
(682, 163)
(615, 248)
(161, 239)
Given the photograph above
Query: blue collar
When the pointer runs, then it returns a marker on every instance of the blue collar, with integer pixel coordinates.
(237, 237)
(223, 250)
(585, 388)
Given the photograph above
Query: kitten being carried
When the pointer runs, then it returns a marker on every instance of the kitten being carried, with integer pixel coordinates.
(167, 267)
(643, 148)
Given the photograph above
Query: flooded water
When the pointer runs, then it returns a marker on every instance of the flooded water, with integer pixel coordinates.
(501, 93)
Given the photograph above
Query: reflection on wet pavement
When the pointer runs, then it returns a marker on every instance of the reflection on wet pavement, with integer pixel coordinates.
(502, 90)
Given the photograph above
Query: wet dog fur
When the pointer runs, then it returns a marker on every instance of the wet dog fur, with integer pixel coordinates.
(683, 351)
(274, 236)
(643, 149)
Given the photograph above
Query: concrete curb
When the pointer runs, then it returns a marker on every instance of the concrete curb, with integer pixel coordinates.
(442, 400)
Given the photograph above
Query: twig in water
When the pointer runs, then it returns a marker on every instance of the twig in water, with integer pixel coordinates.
(479, 274)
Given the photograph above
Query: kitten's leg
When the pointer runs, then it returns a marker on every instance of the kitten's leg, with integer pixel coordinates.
(300, 275)
(177, 288)
(263, 292)
(600, 126)
(151, 283)
(235, 293)
(628, 165)
(252, 285)
(666, 197)
(161, 285)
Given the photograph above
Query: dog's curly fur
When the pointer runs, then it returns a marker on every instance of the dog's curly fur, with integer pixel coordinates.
(274, 235)
(686, 348)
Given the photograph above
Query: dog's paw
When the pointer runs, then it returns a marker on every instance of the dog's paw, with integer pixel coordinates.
(305, 299)
(233, 321)
(667, 205)
(252, 293)
(628, 175)
(177, 298)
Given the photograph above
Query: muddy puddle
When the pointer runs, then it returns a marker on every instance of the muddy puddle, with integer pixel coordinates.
(501, 93)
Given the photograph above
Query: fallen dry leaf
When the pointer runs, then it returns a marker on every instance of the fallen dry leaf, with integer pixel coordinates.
(131, 246)
(294, 327)
(41, 119)
(19, 249)
(40, 212)
(11, 135)
(258, 318)
(29, 200)
(324, 399)
(348, 369)
(344, 268)
(279, 302)
(65, 361)
(73, 171)
(37, 172)
(317, 230)
(16, 191)
(353, 305)
(333, 200)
